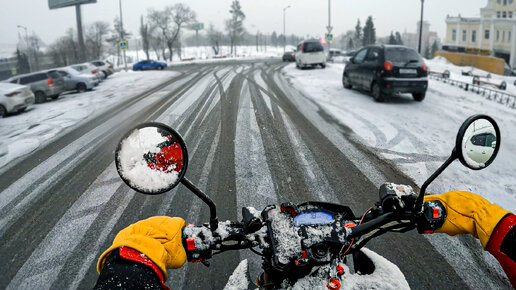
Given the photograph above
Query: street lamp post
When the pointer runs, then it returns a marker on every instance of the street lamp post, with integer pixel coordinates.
(122, 32)
(421, 26)
(26, 43)
(284, 33)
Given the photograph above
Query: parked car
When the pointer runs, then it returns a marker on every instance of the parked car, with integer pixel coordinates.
(310, 53)
(43, 84)
(385, 70)
(88, 68)
(74, 81)
(104, 67)
(289, 56)
(149, 64)
(14, 98)
(334, 52)
(481, 144)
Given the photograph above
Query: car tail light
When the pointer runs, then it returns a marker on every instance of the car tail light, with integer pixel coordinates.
(94, 71)
(302, 47)
(50, 82)
(12, 94)
(387, 66)
(424, 68)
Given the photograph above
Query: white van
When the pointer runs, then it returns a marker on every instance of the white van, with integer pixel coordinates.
(310, 53)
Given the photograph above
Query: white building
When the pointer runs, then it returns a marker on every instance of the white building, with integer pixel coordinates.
(429, 37)
(494, 33)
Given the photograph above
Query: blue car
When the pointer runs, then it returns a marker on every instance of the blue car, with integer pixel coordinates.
(149, 64)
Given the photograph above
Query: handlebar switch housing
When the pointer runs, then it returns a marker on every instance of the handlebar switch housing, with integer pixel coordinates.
(432, 217)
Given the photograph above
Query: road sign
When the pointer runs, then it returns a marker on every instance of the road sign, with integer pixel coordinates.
(329, 28)
(54, 4)
(328, 37)
(123, 45)
(196, 26)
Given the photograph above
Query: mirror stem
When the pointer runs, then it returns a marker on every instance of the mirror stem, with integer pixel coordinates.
(419, 203)
(214, 221)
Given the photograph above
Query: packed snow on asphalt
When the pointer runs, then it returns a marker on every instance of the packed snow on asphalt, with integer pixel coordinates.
(23, 133)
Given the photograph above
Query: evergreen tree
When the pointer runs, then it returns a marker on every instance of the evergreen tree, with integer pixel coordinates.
(22, 64)
(434, 49)
(398, 38)
(392, 39)
(427, 53)
(369, 32)
(235, 25)
(358, 32)
(274, 39)
(351, 45)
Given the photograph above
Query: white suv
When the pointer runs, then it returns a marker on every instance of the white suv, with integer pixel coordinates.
(310, 53)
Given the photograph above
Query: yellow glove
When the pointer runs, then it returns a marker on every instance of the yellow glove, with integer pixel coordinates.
(469, 213)
(159, 238)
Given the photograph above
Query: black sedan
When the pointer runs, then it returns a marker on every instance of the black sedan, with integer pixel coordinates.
(289, 56)
(385, 70)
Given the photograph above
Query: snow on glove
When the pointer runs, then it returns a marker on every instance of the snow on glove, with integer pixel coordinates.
(469, 213)
(159, 238)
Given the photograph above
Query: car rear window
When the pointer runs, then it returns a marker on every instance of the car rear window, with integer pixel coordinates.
(33, 78)
(401, 54)
(313, 47)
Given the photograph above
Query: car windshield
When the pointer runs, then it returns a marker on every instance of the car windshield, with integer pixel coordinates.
(313, 47)
(401, 55)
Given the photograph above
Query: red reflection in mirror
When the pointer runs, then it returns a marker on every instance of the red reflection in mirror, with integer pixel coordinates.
(170, 157)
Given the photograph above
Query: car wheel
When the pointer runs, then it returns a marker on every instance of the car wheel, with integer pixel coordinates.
(503, 86)
(323, 65)
(419, 96)
(3, 111)
(81, 87)
(105, 74)
(160, 68)
(345, 82)
(377, 93)
(40, 97)
(297, 66)
(55, 97)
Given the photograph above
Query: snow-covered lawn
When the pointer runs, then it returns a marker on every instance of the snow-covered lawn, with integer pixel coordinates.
(23, 133)
(418, 136)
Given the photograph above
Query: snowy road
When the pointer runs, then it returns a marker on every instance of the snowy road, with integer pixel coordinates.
(253, 140)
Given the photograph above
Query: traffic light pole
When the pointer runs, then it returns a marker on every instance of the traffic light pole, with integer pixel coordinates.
(82, 48)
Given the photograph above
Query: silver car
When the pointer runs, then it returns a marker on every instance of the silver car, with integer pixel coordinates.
(75, 81)
(44, 84)
(14, 98)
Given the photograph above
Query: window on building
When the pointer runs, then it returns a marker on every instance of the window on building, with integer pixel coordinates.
(503, 35)
(508, 36)
(464, 35)
(498, 14)
(497, 35)
(486, 34)
(504, 14)
(510, 14)
(474, 36)
(454, 35)
(504, 2)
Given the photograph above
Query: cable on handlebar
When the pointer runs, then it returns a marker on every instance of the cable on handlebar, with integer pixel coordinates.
(352, 240)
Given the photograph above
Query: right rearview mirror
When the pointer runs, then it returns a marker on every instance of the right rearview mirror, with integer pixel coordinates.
(478, 142)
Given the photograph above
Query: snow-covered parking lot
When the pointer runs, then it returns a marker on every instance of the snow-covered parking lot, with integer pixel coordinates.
(418, 136)
(23, 133)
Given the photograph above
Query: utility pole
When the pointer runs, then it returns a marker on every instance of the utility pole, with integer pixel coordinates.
(421, 26)
(26, 44)
(329, 27)
(284, 33)
(82, 48)
(122, 32)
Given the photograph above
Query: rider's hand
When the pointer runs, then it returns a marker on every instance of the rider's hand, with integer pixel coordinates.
(159, 238)
(469, 213)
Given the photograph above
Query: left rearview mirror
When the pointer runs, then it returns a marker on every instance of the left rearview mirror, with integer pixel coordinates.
(478, 142)
(151, 158)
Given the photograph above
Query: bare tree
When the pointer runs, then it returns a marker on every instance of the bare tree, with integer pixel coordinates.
(215, 37)
(181, 15)
(95, 37)
(144, 33)
(117, 36)
(160, 22)
(235, 25)
(34, 46)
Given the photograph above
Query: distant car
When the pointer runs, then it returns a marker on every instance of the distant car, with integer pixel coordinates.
(385, 70)
(334, 52)
(104, 67)
(14, 98)
(149, 65)
(88, 68)
(310, 53)
(289, 56)
(43, 84)
(74, 81)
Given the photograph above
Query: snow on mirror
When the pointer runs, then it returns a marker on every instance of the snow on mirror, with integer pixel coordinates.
(479, 139)
(151, 158)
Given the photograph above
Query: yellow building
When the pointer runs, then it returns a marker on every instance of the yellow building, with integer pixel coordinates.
(494, 33)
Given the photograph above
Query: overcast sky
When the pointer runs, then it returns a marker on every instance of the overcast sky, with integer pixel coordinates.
(304, 17)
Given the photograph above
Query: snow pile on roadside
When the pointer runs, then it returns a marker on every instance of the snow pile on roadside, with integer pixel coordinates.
(418, 136)
(23, 133)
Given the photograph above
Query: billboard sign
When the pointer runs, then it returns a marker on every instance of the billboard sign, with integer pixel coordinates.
(55, 4)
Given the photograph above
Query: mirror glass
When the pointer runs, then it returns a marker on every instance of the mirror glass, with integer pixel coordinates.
(151, 158)
(479, 143)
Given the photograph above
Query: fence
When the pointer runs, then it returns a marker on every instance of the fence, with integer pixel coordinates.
(490, 94)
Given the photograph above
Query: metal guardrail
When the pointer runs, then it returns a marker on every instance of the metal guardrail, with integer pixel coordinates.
(490, 94)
